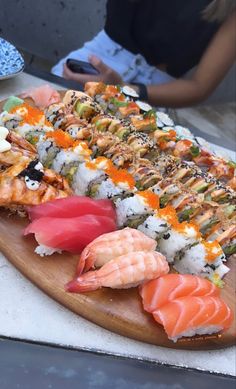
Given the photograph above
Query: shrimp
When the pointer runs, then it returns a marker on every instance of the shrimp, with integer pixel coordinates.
(123, 272)
(109, 246)
(13, 189)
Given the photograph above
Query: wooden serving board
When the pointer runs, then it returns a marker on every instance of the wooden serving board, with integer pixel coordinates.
(119, 311)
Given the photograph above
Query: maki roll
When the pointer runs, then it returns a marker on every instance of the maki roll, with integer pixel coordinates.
(133, 210)
(80, 104)
(129, 92)
(205, 259)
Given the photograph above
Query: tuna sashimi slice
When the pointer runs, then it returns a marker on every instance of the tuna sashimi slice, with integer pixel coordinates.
(161, 291)
(69, 234)
(43, 96)
(72, 206)
(191, 315)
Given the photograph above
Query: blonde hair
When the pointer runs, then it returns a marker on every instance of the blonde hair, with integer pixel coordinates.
(218, 10)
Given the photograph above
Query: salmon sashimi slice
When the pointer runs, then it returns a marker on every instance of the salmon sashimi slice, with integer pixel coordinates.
(191, 315)
(167, 288)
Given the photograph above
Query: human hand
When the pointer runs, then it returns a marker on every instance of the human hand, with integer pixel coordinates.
(106, 74)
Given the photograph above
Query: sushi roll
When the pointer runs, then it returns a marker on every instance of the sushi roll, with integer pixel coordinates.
(133, 210)
(183, 132)
(129, 92)
(117, 184)
(80, 104)
(146, 124)
(180, 237)
(205, 259)
(89, 175)
(144, 107)
(47, 151)
(162, 119)
(9, 120)
(55, 114)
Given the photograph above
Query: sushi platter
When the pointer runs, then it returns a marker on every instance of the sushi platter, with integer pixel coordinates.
(51, 267)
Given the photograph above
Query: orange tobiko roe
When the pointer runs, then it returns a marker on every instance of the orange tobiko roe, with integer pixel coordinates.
(120, 175)
(61, 138)
(151, 198)
(30, 115)
(213, 250)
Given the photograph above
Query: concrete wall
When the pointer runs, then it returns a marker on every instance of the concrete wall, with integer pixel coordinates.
(52, 28)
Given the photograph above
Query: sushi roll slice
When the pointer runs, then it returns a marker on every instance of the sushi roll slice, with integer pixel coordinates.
(133, 210)
(183, 132)
(180, 237)
(9, 120)
(89, 175)
(80, 104)
(145, 124)
(117, 184)
(205, 259)
(144, 107)
(129, 92)
(55, 114)
(163, 119)
(154, 227)
(47, 151)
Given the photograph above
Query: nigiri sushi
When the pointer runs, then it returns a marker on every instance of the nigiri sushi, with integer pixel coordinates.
(191, 315)
(123, 272)
(68, 234)
(157, 293)
(72, 206)
(114, 244)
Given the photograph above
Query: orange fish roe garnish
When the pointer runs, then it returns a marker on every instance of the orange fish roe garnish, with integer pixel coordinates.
(121, 175)
(213, 250)
(61, 138)
(29, 114)
(83, 145)
(96, 162)
(169, 213)
(151, 198)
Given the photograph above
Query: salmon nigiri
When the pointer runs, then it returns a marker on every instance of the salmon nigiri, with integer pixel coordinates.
(122, 272)
(169, 287)
(113, 244)
(190, 315)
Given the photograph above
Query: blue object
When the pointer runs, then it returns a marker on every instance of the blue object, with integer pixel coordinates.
(11, 61)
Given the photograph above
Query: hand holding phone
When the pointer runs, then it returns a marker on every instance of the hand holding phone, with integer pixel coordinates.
(81, 67)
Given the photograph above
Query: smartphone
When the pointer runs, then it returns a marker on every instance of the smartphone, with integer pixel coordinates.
(81, 67)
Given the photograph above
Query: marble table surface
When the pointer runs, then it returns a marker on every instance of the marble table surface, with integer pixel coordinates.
(27, 313)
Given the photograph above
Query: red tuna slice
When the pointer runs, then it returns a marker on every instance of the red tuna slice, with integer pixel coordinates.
(69, 234)
(72, 206)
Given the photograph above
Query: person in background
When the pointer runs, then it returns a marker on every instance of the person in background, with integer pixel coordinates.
(152, 44)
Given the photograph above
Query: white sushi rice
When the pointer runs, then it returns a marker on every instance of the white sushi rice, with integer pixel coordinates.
(210, 329)
(64, 158)
(173, 242)
(83, 177)
(154, 227)
(183, 132)
(107, 190)
(163, 118)
(10, 120)
(130, 207)
(194, 262)
(43, 250)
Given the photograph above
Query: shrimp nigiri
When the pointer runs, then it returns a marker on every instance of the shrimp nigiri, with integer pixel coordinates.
(122, 272)
(114, 244)
(193, 315)
(169, 287)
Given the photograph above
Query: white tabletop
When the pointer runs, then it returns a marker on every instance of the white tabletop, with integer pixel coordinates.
(27, 313)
